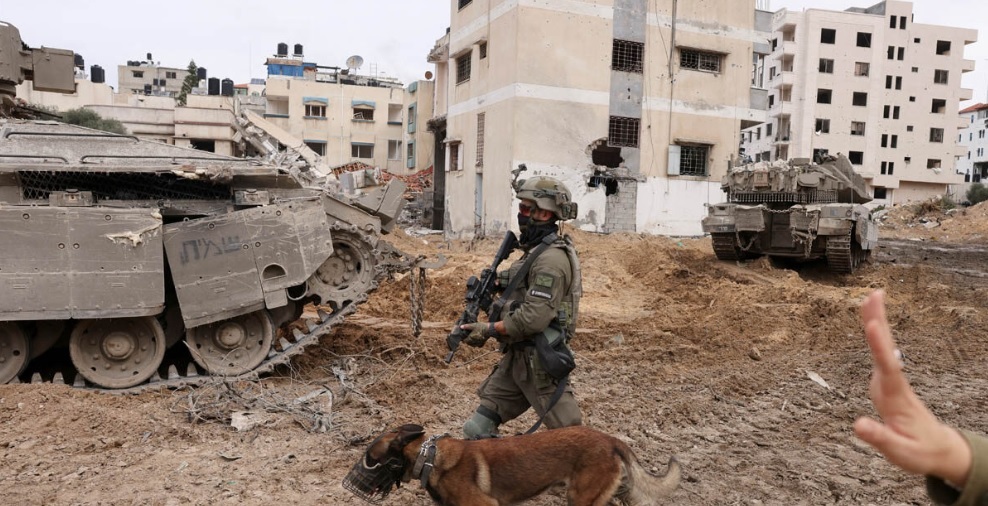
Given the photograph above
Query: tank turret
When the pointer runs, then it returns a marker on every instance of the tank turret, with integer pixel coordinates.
(794, 209)
(50, 69)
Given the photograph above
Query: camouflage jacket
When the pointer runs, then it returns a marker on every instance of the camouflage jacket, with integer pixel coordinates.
(552, 286)
(975, 492)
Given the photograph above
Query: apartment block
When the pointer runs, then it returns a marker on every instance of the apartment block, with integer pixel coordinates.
(973, 164)
(148, 77)
(872, 84)
(637, 105)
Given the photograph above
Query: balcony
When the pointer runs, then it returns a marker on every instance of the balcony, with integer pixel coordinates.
(784, 80)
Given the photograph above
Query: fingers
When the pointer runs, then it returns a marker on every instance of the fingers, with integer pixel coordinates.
(878, 333)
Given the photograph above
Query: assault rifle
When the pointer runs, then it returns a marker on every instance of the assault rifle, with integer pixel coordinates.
(480, 294)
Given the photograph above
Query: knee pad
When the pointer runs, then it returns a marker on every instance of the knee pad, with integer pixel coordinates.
(481, 425)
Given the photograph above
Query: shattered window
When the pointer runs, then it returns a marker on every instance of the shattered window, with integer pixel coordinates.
(627, 56)
(699, 60)
(318, 147)
(693, 159)
(623, 131)
(855, 157)
(363, 114)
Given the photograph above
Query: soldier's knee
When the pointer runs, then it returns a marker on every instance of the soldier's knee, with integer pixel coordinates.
(483, 423)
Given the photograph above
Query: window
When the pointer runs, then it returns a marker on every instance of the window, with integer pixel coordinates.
(900, 54)
(860, 98)
(932, 163)
(823, 96)
(410, 156)
(454, 156)
(771, 101)
(394, 114)
(170, 75)
(888, 82)
(915, 70)
(693, 159)
(912, 99)
(826, 66)
(822, 126)
(481, 117)
(940, 76)
(857, 128)
(699, 60)
(864, 39)
(885, 140)
(885, 168)
(361, 150)
(886, 112)
(862, 68)
(891, 168)
(623, 131)
(936, 135)
(902, 22)
(943, 47)
(828, 36)
(363, 113)
(315, 111)
(464, 3)
(891, 52)
(894, 141)
(916, 40)
(938, 106)
(627, 56)
(137, 73)
(768, 130)
(898, 82)
(909, 128)
(483, 50)
(394, 150)
(771, 73)
(317, 146)
(856, 157)
(891, 21)
(463, 67)
(411, 118)
(881, 192)
(895, 112)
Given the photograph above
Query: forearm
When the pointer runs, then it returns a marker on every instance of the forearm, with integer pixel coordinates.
(968, 473)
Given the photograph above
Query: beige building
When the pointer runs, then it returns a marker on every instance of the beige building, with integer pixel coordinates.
(636, 104)
(872, 84)
(150, 78)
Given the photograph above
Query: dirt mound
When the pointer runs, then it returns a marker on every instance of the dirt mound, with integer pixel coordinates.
(934, 220)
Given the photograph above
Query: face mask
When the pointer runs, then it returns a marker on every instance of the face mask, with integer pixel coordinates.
(523, 222)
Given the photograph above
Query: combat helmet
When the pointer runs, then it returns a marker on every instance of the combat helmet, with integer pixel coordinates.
(549, 194)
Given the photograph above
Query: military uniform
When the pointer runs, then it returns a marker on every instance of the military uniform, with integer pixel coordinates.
(975, 492)
(550, 290)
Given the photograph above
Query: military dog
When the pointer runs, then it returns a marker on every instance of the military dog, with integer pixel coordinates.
(597, 468)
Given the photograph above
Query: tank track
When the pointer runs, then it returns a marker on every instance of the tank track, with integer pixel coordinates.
(840, 258)
(390, 261)
(725, 246)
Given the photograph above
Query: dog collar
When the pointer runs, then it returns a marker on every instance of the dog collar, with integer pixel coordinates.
(426, 459)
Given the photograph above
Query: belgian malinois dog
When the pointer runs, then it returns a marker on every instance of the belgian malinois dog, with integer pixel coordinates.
(598, 469)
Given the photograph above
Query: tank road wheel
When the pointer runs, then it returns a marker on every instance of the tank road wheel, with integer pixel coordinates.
(232, 347)
(15, 351)
(117, 352)
(726, 247)
(348, 273)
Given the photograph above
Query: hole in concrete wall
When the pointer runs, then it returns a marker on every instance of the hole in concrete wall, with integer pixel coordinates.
(600, 178)
(602, 154)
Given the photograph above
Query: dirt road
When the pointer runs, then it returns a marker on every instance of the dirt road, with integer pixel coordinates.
(678, 353)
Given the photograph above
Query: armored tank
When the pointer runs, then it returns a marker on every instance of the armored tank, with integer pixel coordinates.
(120, 249)
(797, 210)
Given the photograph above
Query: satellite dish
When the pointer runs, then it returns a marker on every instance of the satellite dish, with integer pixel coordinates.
(354, 62)
(428, 74)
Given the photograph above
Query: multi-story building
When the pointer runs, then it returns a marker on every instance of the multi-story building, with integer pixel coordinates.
(637, 105)
(147, 77)
(973, 137)
(872, 84)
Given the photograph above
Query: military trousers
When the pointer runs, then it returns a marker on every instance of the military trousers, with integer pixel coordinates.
(518, 383)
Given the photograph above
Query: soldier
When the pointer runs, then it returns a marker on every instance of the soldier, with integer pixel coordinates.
(539, 308)
(955, 462)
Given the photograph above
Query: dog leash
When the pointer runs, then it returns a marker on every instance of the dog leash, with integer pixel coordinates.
(426, 459)
(552, 402)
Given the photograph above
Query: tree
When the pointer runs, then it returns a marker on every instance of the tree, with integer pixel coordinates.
(91, 119)
(190, 82)
(977, 193)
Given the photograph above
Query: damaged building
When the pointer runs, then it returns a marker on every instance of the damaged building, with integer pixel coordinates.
(637, 106)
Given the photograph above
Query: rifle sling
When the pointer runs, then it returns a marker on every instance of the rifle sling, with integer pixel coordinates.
(525, 267)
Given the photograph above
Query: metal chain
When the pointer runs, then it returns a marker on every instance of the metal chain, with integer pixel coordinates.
(417, 295)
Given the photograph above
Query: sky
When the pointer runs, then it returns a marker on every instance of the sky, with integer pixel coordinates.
(233, 38)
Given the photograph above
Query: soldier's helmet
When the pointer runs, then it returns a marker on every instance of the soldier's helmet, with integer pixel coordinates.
(548, 193)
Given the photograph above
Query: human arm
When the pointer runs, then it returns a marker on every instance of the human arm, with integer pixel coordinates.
(911, 437)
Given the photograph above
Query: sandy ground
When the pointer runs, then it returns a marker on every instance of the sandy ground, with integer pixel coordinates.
(678, 354)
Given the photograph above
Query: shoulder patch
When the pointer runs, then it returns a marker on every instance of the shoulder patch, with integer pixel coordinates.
(541, 294)
(544, 280)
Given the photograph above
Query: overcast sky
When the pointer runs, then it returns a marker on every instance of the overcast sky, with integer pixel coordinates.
(232, 38)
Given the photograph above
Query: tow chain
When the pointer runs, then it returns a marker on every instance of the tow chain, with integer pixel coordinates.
(806, 239)
(417, 295)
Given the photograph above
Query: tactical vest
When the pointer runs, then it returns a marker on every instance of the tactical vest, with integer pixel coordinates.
(569, 307)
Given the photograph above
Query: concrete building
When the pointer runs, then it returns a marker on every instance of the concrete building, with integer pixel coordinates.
(872, 84)
(147, 77)
(973, 164)
(637, 105)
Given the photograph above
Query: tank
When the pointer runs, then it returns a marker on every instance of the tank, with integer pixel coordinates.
(795, 210)
(156, 265)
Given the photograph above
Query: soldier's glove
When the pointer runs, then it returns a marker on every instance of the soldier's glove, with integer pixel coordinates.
(479, 333)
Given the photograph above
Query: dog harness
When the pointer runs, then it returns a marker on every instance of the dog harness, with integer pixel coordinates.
(426, 459)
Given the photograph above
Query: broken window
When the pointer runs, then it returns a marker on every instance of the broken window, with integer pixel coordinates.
(822, 126)
(627, 56)
(880, 192)
(864, 39)
(936, 135)
(826, 66)
(857, 128)
(932, 163)
(480, 139)
(855, 157)
(317, 146)
(938, 106)
(361, 150)
(940, 76)
(693, 159)
(943, 47)
(860, 98)
(622, 131)
(394, 150)
(862, 68)
(394, 114)
(823, 96)
(363, 113)
(608, 156)
(828, 36)
(699, 60)
(315, 111)
(463, 67)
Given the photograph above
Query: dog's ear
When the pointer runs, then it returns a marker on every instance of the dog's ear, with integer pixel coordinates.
(406, 434)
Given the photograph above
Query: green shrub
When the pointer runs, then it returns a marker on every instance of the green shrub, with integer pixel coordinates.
(977, 193)
(91, 119)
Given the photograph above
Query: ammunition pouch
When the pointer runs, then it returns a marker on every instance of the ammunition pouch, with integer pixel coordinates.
(554, 355)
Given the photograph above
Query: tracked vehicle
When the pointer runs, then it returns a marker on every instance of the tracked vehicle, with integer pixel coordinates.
(794, 210)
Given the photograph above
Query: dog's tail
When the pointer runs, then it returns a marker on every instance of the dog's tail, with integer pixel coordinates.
(645, 488)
